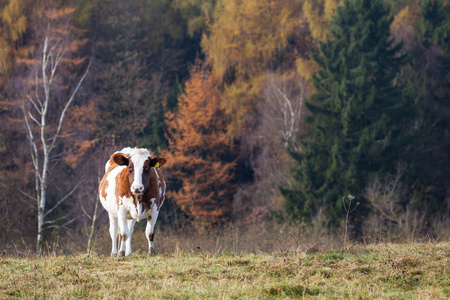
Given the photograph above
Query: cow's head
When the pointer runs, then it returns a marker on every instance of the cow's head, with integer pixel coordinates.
(139, 163)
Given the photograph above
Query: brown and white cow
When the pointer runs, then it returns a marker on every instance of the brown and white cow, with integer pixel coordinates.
(132, 188)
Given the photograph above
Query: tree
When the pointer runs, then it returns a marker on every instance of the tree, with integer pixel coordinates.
(357, 116)
(318, 15)
(245, 40)
(201, 162)
(427, 82)
(14, 23)
(142, 50)
(278, 122)
(46, 101)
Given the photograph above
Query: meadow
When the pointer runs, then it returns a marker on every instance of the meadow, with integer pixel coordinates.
(372, 271)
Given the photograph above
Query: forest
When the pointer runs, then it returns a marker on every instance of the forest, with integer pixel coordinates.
(307, 117)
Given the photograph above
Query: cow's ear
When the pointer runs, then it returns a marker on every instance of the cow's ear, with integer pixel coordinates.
(157, 162)
(120, 159)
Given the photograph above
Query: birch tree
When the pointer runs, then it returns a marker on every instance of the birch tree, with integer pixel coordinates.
(46, 102)
(284, 97)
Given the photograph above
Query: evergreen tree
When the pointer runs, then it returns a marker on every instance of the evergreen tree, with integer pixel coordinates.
(427, 78)
(354, 129)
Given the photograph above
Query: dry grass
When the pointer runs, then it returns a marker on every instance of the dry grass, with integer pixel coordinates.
(383, 271)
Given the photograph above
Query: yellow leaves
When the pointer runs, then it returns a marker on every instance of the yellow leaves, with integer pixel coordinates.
(12, 28)
(306, 67)
(196, 12)
(244, 41)
(319, 14)
(14, 20)
(239, 99)
(404, 17)
(403, 27)
(330, 8)
(246, 34)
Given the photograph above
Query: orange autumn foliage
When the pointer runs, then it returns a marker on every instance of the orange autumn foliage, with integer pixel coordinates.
(78, 133)
(199, 165)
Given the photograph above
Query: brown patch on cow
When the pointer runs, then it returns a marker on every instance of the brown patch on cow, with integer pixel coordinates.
(103, 187)
(123, 185)
(152, 190)
(150, 237)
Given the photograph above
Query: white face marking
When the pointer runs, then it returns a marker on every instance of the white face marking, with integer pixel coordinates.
(138, 157)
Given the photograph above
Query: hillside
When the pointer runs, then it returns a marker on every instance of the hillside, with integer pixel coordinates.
(383, 271)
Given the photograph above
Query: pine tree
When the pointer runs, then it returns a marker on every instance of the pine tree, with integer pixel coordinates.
(428, 77)
(357, 115)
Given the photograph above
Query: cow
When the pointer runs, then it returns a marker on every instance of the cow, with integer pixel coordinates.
(133, 188)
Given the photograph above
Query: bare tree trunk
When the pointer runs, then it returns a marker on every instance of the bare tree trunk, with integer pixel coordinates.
(36, 110)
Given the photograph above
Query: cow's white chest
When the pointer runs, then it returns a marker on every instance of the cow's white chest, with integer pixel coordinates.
(149, 212)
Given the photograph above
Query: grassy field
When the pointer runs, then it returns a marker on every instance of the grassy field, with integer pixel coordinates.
(383, 271)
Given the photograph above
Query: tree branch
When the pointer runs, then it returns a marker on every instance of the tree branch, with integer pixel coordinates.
(63, 199)
(27, 195)
(61, 118)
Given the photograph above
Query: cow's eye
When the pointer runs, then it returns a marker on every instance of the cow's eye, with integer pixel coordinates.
(146, 169)
(131, 169)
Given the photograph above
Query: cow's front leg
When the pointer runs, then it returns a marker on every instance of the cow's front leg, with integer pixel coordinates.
(130, 226)
(150, 229)
(113, 232)
(124, 235)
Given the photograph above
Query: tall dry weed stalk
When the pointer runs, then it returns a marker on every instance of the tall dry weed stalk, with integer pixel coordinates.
(348, 209)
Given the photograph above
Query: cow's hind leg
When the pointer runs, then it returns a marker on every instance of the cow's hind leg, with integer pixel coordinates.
(113, 231)
(150, 229)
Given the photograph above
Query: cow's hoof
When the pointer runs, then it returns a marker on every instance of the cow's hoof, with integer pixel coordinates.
(151, 251)
(113, 254)
(121, 253)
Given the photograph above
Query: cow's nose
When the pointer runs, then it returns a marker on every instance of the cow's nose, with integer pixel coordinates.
(137, 188)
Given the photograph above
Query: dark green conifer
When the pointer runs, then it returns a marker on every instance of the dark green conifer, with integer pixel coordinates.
(427, 82)
(357, 116)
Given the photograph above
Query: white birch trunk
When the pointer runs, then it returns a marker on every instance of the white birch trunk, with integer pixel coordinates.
(51, 57)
